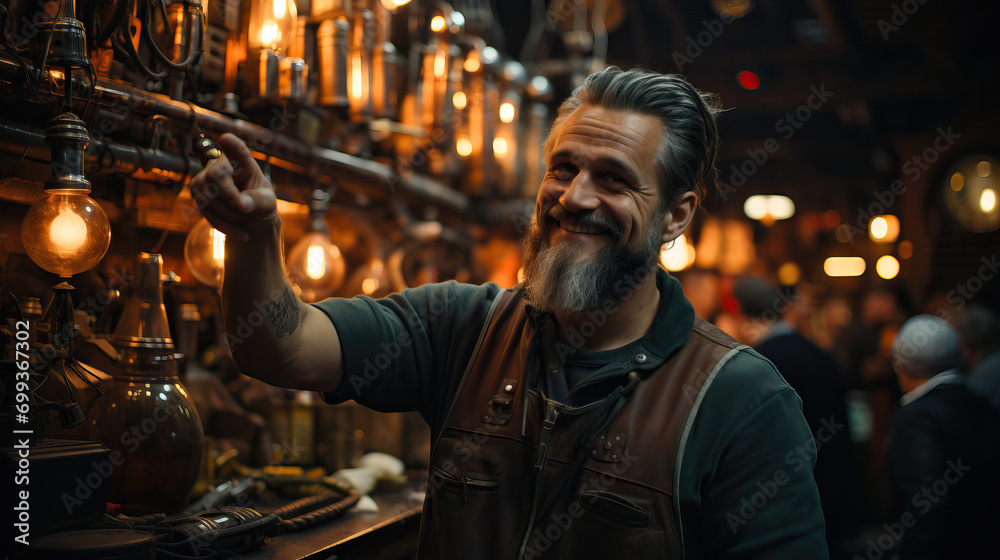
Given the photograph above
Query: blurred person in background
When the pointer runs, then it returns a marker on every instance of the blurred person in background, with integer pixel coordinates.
(979, 330)
(944, 451)
(814, 374)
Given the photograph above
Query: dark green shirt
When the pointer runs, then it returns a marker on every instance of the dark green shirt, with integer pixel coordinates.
(746, 486)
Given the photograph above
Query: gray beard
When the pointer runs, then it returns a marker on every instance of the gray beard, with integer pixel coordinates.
(557, 280)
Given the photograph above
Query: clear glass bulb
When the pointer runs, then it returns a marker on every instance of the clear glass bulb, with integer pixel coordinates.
(66, 232)
(205, 253)
(316, 266)
(272, 25)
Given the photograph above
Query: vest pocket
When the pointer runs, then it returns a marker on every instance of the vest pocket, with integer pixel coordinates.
(465, 482)
(608, 525)
(614, 508)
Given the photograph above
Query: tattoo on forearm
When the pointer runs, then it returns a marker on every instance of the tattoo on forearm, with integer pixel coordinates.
(283, 313)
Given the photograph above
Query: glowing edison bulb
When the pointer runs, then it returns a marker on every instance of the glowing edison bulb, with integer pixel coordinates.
(369, 285)
(66, 232)
(459, 100)
(507, 112)
(316, 266)
(205, 253)
(437, 24)
(269, 33)
(315, 262)
(271, 25)
(218, 246)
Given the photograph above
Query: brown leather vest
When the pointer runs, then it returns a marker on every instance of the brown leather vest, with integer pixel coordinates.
(505, 460)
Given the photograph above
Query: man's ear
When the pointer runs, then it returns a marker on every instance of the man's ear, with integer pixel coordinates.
(678, 217)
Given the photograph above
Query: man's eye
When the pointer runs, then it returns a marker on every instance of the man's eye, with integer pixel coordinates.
(563, 172)
(614, 178)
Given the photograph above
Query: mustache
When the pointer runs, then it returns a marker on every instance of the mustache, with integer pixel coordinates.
(588, 218)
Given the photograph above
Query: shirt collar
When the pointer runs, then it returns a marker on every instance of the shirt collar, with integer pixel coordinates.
(946, 376)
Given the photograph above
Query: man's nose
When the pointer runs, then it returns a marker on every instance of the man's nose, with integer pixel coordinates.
(581, 194)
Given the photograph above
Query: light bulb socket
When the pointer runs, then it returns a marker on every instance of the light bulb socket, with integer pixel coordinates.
(68, 47)
(294, 76)
(266, 75)
(67, 138)
(319, 205)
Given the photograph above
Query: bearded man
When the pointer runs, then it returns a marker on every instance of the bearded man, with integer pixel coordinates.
(587, 413)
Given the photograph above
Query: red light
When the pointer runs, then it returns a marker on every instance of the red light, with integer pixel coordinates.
(747, 79)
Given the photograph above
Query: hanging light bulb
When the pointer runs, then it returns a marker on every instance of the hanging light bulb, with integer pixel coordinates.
(315, 264)
(66, 232)
(272, 25)
(205, 253)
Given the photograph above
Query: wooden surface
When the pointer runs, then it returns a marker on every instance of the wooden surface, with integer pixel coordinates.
(389, 534)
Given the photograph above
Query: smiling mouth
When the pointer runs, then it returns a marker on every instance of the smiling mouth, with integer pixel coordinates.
(577, 228)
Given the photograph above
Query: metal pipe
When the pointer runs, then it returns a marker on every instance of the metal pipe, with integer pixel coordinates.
(373, 179)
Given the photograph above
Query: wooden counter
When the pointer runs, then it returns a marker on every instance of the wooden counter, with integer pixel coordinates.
(390, 534)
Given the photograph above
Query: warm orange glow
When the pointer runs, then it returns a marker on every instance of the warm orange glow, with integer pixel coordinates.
(269, 33)
(315, 262)
(472, 63)
(789, 274)
(507, 112)
(440, 63)
(437, 24)
(905, 249)
(463, 146)
(356, 85)
(988, 200)
(459, 100)
(68, 231)
(884, 229)
(887, 267)
(957, 181)
(678, 255)
(499, 145)
(369, 285)
(218, 245)
(844, 266)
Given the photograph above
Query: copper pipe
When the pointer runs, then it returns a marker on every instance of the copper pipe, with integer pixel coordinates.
(353, 173)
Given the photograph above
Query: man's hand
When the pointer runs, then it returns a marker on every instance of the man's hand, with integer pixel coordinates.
(233, 192)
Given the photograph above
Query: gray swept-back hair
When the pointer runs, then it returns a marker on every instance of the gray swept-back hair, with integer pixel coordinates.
(685, 160)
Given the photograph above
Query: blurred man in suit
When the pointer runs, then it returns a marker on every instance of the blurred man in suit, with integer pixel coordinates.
(944, 452)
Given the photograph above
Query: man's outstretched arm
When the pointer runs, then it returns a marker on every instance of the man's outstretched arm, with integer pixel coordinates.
(273, 335)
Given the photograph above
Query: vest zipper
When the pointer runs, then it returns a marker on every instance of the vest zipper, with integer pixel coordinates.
(551, 413)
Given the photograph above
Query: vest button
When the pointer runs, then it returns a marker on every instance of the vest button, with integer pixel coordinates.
(632, 376)
(640, 358)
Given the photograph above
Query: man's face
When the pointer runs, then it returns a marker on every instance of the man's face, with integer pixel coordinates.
(596, 216)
